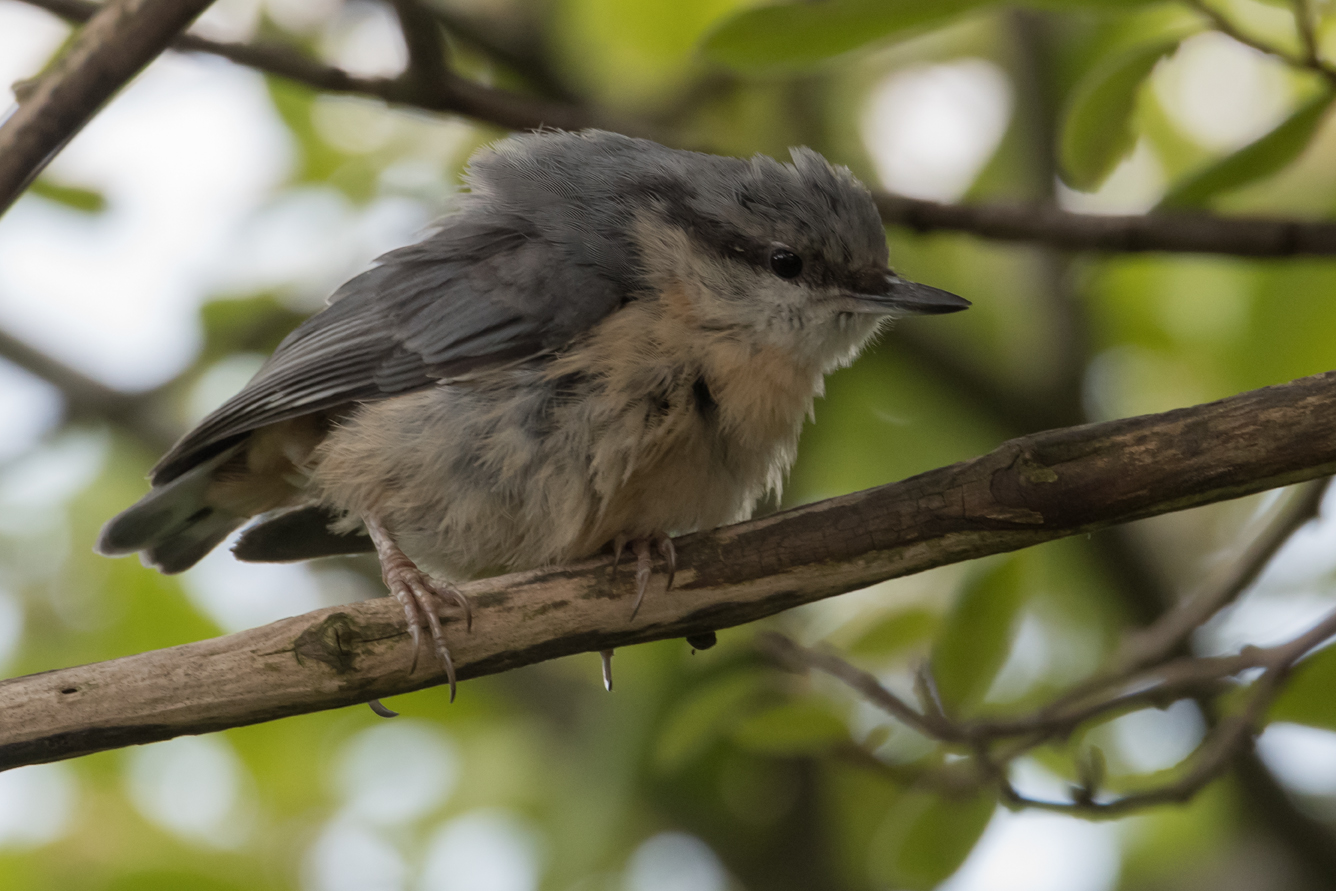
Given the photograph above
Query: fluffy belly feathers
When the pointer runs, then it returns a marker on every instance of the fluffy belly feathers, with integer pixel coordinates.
(550, 461)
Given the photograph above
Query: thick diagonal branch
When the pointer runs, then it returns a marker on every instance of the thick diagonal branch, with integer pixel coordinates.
(1027, 491)
(120, 38)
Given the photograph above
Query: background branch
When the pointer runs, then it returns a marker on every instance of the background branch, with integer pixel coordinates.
(119, 40)
(1181, 679)
(86, 398)
(1040, 223)
(453, 94)
(1027, 491)
(1176, 232)
(1171, 630)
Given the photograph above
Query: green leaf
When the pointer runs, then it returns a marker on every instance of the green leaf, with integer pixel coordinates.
(245, 325)
(318, 161)
(896, 632)
(1256, 160)
(799, 35)
(976, 639)
(1307, 697)
(795, 728)
(74, 197)
(924, 839)
(802, 34)
(1097, 128)
(702, 716)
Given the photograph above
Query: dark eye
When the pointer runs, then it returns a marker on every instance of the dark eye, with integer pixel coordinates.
(785, 264)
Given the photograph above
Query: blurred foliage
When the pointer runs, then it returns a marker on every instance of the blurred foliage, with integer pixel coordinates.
(74, 197)
(791, 782)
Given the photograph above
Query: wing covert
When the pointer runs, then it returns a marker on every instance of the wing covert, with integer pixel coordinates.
(468, 297)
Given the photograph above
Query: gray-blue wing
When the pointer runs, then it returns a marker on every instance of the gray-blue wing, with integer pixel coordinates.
(471, 296)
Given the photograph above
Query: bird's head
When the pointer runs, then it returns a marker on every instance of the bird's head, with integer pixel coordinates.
(792, 255)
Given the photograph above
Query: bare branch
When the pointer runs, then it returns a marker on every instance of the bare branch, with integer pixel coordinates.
(426, 47)
(1157, 642)
(1174, 232)
(797, 658)
(454, 94)
(1303, 22)
(119, 40)
(1029, 490)
(1181, 679)
(1230, 737)
(86, 398)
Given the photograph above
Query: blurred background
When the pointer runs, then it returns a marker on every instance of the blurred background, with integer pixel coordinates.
(210, 207)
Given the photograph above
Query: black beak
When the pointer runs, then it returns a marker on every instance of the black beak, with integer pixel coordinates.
(893, 294)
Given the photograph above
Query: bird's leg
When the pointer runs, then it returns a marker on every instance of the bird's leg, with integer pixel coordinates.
(419, 594)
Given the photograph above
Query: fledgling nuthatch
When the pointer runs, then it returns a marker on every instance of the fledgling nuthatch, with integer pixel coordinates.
(607, 341)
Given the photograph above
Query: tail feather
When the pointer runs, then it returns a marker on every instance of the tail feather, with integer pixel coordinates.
(187, 546)
(172, 524)
(299, 534)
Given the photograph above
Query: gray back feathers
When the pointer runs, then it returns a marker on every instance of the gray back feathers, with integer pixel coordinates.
(537, 253)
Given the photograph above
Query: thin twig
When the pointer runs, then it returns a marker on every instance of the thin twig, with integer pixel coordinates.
(1309, 60)
(1184, 678)
(1303, 23)
(1174, 232)
(785, 651)
(1230, 737)
(1156, 642)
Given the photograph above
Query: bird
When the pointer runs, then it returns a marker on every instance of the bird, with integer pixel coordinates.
(604, 343)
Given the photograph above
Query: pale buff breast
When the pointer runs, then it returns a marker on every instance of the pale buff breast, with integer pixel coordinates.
(726, 416)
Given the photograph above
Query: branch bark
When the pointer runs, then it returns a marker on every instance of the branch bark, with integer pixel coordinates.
(1027, 491)
(1171, 232)
(120, 39)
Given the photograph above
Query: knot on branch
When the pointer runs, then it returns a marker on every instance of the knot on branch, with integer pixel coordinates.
(332, 642)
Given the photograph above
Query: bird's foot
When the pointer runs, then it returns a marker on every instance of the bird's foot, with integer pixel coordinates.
(420, 595)
(641, 547)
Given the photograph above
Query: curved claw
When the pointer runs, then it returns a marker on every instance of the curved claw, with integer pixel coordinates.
(669, 553)
(415, 632)
(618, 544)
(379, 708)
(424, 595)
(640, 547)
(458, 597)
(606, 656)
